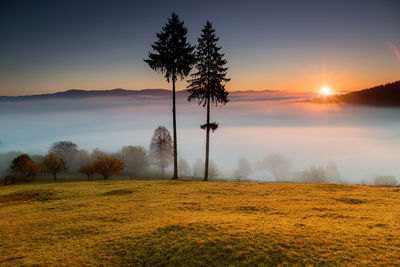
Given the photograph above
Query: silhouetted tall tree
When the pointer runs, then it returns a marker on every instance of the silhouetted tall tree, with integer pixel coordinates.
(207, 85)
(161, 147)
(174, 57)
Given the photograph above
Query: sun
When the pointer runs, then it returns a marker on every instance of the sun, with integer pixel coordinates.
(326, 90)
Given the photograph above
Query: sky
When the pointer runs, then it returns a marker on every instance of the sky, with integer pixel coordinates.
(50, 46)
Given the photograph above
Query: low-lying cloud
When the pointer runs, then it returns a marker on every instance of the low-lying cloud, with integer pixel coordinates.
(362, 142)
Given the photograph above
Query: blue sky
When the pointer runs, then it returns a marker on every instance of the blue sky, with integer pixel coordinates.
(50, 46)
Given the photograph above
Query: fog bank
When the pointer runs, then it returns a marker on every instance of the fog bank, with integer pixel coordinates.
(283, 139)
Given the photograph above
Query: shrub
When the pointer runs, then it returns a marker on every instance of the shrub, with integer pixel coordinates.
(386, 181)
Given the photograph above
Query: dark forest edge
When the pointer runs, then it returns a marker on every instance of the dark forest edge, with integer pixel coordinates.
(385, 95)
(382, 95)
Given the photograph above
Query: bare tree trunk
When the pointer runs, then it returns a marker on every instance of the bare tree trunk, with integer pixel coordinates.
(162, 160)
(175, 176)
(55, 176)
(207, 139)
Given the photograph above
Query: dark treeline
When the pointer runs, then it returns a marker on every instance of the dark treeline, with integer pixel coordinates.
(65, 157)
(382, 95)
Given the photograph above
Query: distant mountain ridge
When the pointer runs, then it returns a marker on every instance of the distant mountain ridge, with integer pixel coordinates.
(78, 93)
(118, 92)
(382, 95)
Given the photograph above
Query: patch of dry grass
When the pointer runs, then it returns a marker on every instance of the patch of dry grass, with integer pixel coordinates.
(28, 195)
(197, 223)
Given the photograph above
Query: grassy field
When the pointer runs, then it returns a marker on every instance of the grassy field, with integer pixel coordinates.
(198, 223)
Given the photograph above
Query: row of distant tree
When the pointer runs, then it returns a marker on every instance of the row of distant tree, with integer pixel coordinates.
(66, 157)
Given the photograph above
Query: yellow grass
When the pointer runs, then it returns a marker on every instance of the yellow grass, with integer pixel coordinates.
(198, 223)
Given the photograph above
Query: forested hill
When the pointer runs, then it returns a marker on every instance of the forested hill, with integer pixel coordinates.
(382, 95)
(77, 93)
(154, 94)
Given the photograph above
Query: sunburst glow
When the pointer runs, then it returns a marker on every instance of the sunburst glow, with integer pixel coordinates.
(326, 90)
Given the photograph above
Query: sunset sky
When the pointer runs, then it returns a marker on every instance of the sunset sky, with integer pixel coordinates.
(49, 46)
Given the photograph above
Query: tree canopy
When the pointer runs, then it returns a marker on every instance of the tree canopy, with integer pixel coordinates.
(107, 165)
(207, 84)
(88, 170)
(24, 165)
(173, 56)
(63, 147)
(52, 164)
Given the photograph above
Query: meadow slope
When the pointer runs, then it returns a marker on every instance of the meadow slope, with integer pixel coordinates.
(197, 223)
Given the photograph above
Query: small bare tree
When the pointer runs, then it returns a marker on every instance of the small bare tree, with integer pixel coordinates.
(213, 171)
(107, 165)
(161, 148)
(136, 160)
(198, 168)
(52, 164)
(184, 168)
(244, 168)
(87, 169)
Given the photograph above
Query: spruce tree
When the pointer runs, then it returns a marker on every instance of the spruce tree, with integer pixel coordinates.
(208, 83)
(174, 57)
